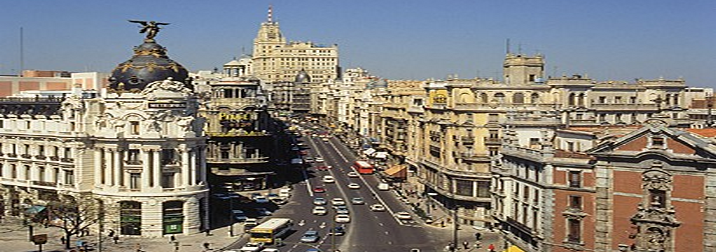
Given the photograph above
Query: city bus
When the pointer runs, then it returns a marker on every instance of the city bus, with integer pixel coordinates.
(363, 167)
(268, 231)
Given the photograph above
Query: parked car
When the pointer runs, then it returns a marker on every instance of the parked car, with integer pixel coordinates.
(261, 199)
(262, 211)
(323, 167)
(342, 218)
(319, 189)
(377, 208)
(271, 196)
(310, 236)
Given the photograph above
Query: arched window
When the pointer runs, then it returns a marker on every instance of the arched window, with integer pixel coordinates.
(518, 98)
(580, 102)
(500, 97)
(173, 217)
(534, 98)
(130, 217)
(572, 99)
(483, 98)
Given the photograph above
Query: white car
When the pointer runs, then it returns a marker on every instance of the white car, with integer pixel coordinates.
(252, 247)
(403, 216)
(353, 174)
(319, 159)
(377, 208)
(319, 210)
(343, 218)
(354, 186)
(338, 202)
(328, 179)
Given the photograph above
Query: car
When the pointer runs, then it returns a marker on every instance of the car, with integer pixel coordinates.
(342, 210)
(319, 201)
(319, 210)
(328, 179)
(338, 231)
(252, 247)
(262, 211)
(239, 215)
(323, 167)
(308, 159)
(354, 186)
(377, 208)
(271, 196)
(221, 196)
(261, 199)
(250, 223)
(313, 250)
(319, 159)
(319, 189)
(338, 202)
(353, 174)
(270, 250)
(279, 201)
(310, 236)
(403, 216)
(295, 148)
(342, 218)
(254, 195)
(303, 152)
(357, 201)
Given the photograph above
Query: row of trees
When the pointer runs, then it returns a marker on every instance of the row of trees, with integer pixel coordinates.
(73, 214)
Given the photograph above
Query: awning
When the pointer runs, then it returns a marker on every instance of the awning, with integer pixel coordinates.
(369, 151)
(514, 248)
(35, 209)
(397, 171)
(381, 155)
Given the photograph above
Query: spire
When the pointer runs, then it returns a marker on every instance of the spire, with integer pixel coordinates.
(270, 14)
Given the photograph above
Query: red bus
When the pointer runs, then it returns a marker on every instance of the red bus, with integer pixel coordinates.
(363, 167)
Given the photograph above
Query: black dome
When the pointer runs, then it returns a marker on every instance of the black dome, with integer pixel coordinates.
(302, 77)
(150, 63)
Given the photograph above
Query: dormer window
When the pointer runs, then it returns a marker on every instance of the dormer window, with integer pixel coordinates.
(658, 142)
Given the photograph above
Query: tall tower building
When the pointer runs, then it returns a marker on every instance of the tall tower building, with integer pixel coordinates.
(521, 69)
(275, 60)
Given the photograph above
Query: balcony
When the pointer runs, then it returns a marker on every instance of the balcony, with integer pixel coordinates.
(258, 160)
(468, 140)
(28, 156)
(12, 155)
(493, 140)
(67, 160)
(238, 134)
(623, 107)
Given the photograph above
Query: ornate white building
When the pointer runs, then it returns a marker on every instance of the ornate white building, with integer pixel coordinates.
(138, 149)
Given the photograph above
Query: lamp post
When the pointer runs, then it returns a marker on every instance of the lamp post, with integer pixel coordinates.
(231, 217)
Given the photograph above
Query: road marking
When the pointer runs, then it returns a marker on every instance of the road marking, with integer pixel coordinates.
(323, 225)
(380, 223)
(302, 222)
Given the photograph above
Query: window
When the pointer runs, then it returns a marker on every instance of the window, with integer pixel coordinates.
(69, 177)
(168, 180)
(575, 202)
(525, 193)
(133, 156)
(13, 171)
(657, 142)
(41, 174)
(618, 99)
(535, 219)
(632, 100)
(134, 127)
(575, 179)
(535, 200)
(483, 189)
(135, 181)
(168, 156)
(602, 99)
(657, 198)
(574, 230)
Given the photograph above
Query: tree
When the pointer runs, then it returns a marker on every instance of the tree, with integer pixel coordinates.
(74, 214)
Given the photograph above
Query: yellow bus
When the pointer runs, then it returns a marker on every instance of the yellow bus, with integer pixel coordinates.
(268, 231)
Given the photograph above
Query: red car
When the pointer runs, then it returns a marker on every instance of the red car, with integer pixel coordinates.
(319, 189)
(323, 167)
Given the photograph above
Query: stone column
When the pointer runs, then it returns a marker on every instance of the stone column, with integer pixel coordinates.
(97, 167)
(108, 167)
(117, 169)
(146, 169)
(185, 169)
(202, 169)
(156, 168)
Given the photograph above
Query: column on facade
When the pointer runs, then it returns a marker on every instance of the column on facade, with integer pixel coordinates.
(192, 166)
(156, 167)
(185, 168)
(146, 169)
(98, 167)
(108, 167)
(117, 168)
(202, 168)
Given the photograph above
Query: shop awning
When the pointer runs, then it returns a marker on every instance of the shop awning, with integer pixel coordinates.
(397, 171)
(35, 209)
(381, 155)
(514, 248)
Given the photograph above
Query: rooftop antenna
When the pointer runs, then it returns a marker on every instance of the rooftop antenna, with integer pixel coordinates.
(270, 14)
(508, 46)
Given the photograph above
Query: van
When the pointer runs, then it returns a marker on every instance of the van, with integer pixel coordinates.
(383, 186)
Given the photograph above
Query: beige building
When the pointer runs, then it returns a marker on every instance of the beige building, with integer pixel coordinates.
(276, 60)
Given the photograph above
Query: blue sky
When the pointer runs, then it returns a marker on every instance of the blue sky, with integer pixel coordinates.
(415, 39)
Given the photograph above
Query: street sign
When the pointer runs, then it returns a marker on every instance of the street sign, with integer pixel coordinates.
(39, 239)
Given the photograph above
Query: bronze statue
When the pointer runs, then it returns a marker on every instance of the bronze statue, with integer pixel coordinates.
(149, 27)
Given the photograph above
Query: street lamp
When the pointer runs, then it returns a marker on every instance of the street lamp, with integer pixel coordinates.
(231, 217)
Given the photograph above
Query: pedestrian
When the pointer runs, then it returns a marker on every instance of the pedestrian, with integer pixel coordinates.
(442, 223)
(111, 233)
(116, 239)
(208, 232)
(478, 236)
(173, 238)
(62, 239)
(465, 245)
(491, 248)
(206, 246)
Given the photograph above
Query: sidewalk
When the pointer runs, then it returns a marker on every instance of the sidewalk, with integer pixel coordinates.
(15, 237)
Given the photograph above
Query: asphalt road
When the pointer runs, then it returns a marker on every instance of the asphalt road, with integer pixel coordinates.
(367, 231)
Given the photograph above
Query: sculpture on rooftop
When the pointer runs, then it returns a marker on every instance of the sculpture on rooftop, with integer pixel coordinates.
(151, 28)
